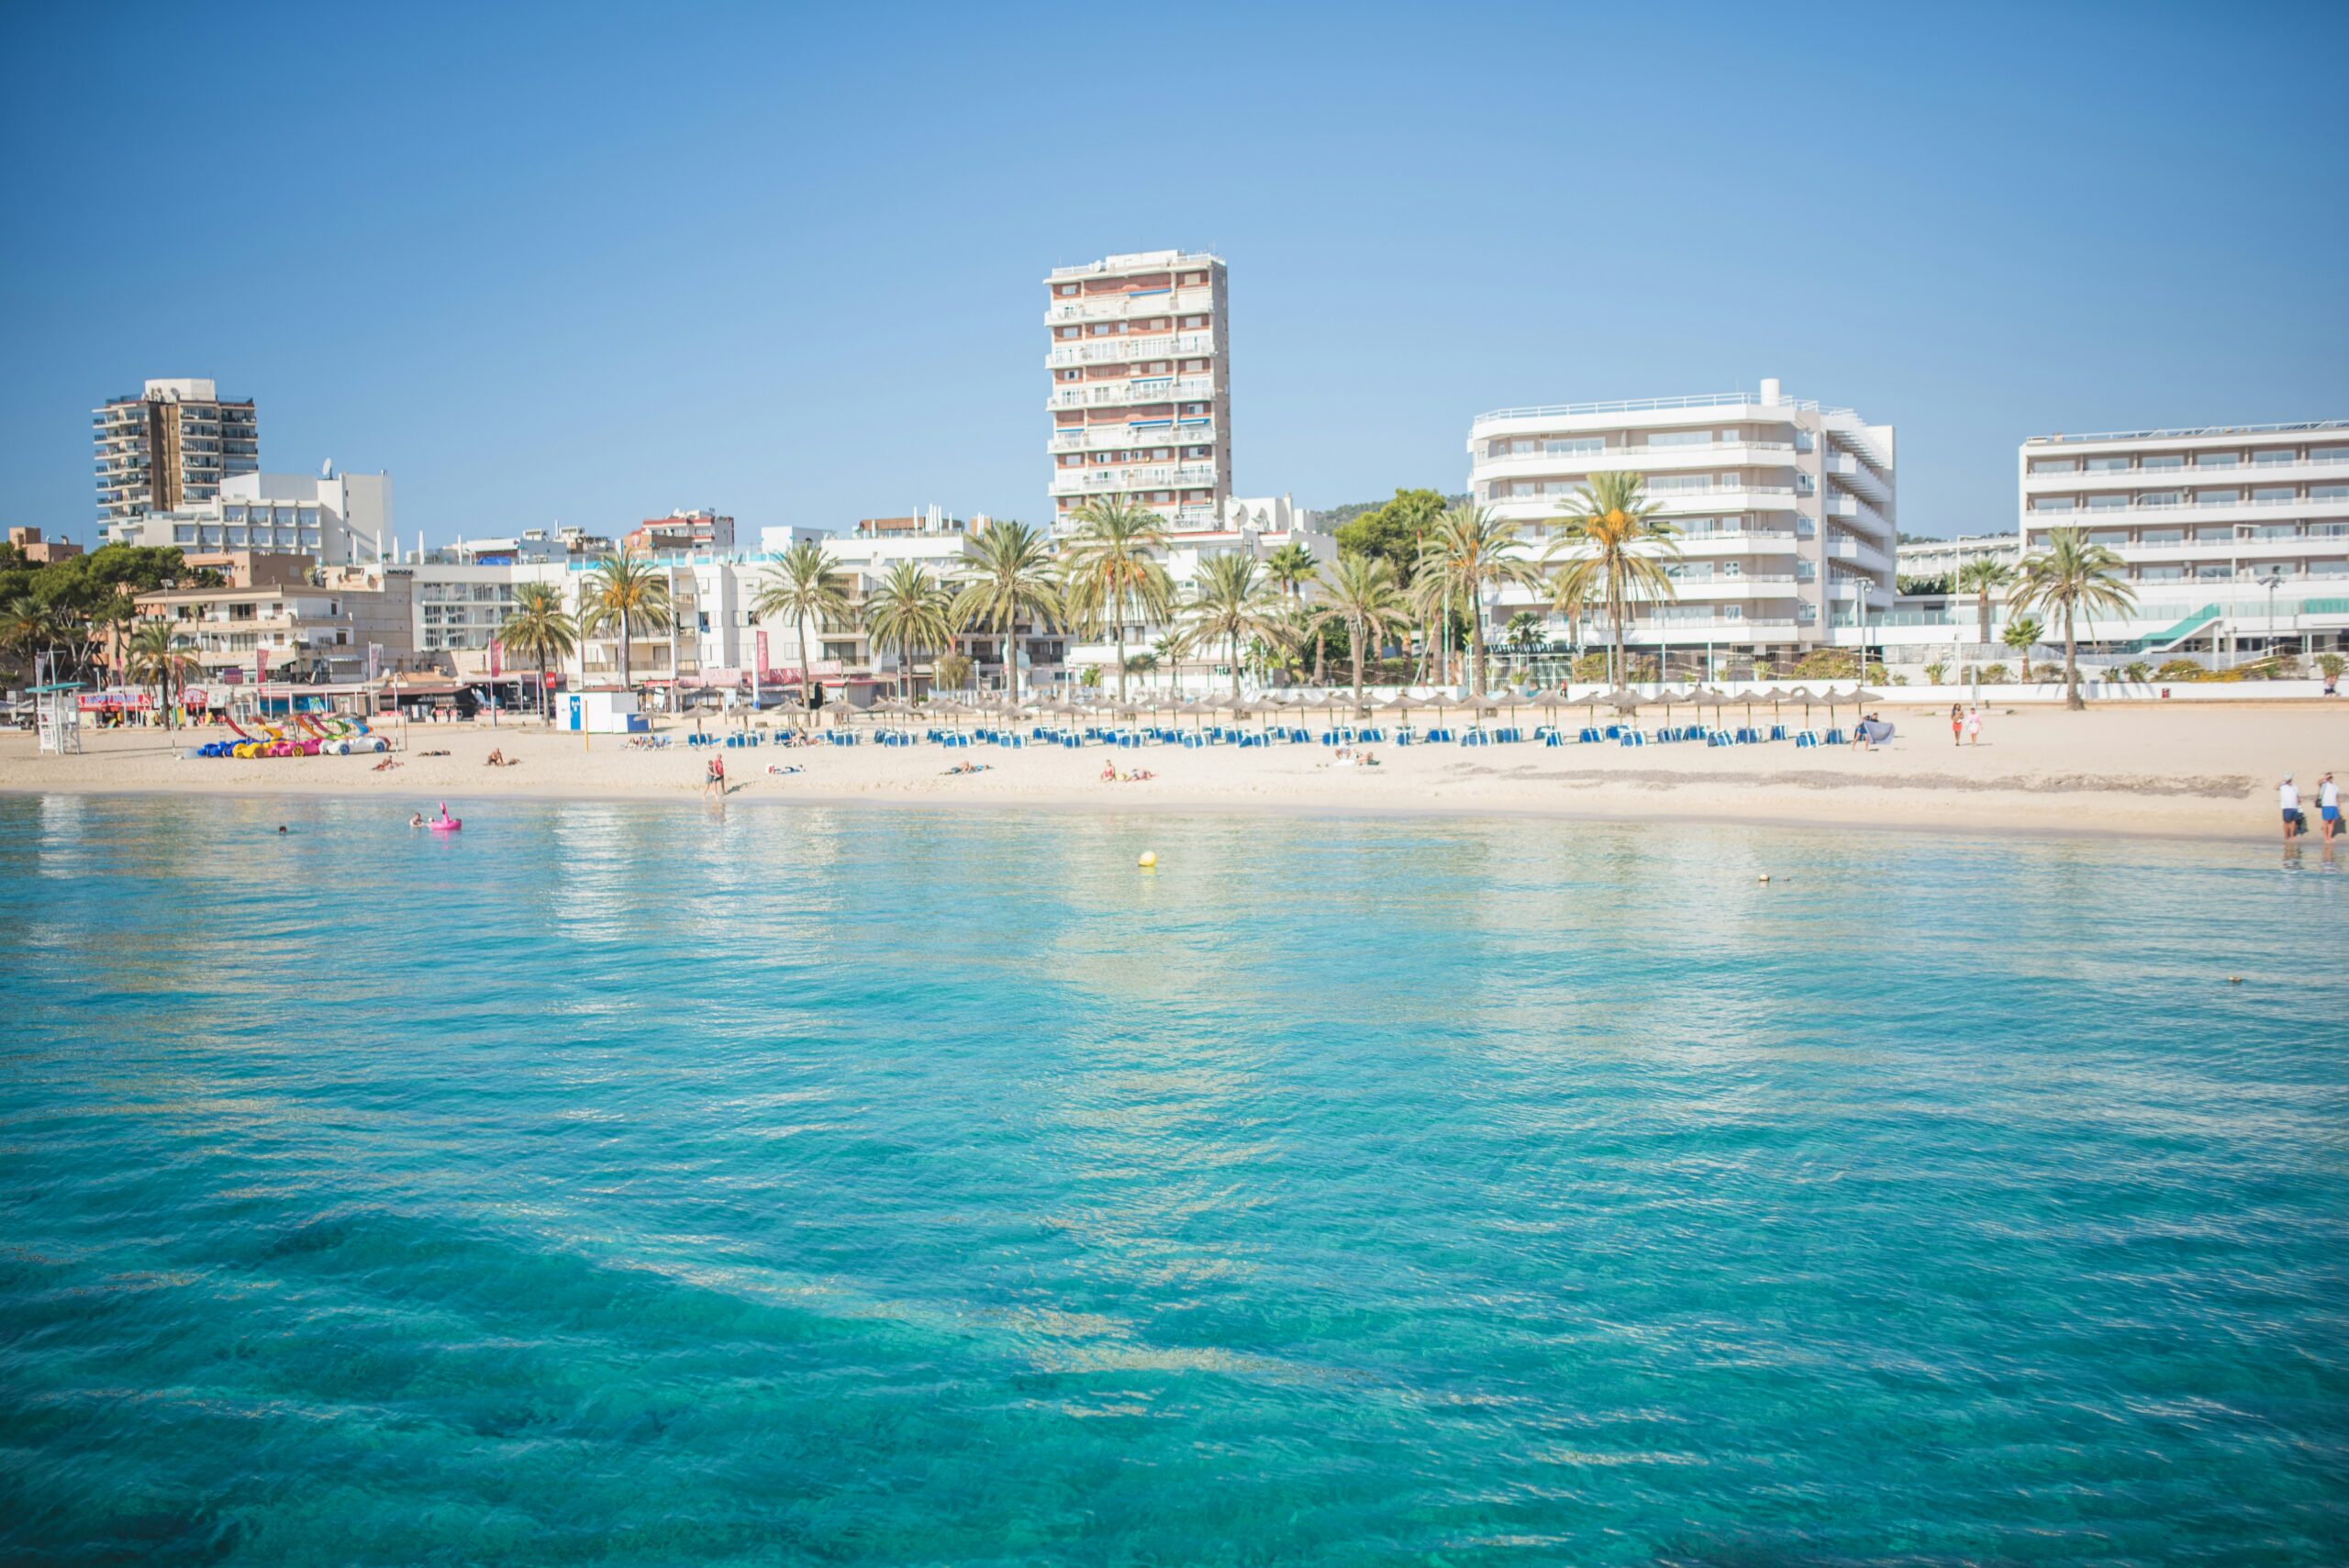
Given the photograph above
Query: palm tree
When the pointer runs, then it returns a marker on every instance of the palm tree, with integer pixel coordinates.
(2068, 576)
(909, 611)
(26, 627)
(806, 583)
(157, 655)
(1360, 593)
(111, 622)
(1109, 570)
(628, 590)
(1171, 650)
(1471, 550)
(1291, 570)
(1977, 577)
(1008, 579)
(540, 629)
(1615, 548)
(1230, 599)
(2020, 634)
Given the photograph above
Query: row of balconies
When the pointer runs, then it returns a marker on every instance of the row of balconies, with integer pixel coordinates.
(1123, 306)
(1118, 438)
(2089, 516)
(1155, 389)
(1120, 350)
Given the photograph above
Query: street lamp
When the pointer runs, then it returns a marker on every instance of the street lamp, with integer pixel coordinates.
(2273, 580)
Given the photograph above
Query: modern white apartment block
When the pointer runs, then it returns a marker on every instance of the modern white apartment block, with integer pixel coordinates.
(1784, 510)
(341, 519)
(170, 447)
(2235, 537)
(1946, 557)
(1140, 361)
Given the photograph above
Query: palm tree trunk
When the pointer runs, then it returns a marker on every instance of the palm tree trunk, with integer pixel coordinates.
(806, 671)
(1982, 608)
(1235, 663)
(1476, 647)
(1121, 663)
(2071, 666)
(1011, 663)
(1355, 637)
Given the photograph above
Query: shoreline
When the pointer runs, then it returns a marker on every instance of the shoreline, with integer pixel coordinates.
(2205, 774)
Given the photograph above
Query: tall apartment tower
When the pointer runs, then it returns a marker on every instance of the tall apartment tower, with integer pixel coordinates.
(1784, 510)
(171, 447)
(1141, 385)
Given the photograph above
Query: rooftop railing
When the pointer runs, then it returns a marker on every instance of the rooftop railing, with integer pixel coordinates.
(1652, 405)
(2191, 432)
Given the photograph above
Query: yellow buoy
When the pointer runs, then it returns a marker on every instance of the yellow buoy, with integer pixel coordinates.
(1765, 876)
(1149, 859)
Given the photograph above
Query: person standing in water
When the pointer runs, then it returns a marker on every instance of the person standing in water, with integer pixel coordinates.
(714, 782)
(2288, 796)
(2328, 806)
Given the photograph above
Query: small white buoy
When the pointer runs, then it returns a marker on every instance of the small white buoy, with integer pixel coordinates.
(1149, 861)
(1765, 876)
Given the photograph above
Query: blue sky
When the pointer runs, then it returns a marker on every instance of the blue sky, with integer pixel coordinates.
(588, 264)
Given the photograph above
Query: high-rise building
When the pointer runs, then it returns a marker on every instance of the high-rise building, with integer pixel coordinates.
(170, 447)
(1141, 384)
(1784, 511)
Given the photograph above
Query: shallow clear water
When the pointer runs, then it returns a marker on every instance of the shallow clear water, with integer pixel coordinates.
(619, 1183)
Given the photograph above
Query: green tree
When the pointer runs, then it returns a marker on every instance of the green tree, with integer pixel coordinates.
(1009, 581)
(1614, 549)
(2021, 633)
(2069, 576)
(1171, 650)
(28, 627)
(1362, 594)
(1978, 577)
(909, 610)
(1231, 600)
(1469, 550)
(1394, 531)
(540, 630)
(1111, 569)
(802, 587)
(624, 590)
(158, 656)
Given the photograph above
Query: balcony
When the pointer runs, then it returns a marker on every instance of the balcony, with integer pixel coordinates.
(1120, 350)
(1123, 306)
(1155, 389)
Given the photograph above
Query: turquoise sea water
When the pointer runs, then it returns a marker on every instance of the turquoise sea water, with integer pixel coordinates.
(617, 1184)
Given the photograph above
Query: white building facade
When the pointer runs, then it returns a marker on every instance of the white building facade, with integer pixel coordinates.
(1784, 510)
(2235, 539)
(340, 519)
(1140, 361)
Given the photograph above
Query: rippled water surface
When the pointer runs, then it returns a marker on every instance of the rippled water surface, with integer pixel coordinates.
(622, 1184)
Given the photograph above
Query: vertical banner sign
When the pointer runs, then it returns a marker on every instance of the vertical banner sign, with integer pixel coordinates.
(497, 658)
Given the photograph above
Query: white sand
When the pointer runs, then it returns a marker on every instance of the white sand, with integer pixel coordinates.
(2206, 771)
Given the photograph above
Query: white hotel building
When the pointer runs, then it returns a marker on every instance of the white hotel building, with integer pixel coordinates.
(1784, 510)
(2235, 537)
(1139, 360)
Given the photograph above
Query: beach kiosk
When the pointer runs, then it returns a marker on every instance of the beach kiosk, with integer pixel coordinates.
(601, 713)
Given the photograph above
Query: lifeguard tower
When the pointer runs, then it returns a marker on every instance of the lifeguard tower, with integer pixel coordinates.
(57, 710)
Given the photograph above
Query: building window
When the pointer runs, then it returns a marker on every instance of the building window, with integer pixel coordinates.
(2286, 455)
(2107, 464)
(2051, 465)
(2218, 460)
(2162, 461)
(1572, 446)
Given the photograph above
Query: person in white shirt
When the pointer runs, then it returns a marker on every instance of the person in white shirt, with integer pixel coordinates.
(2288, 796)
(2328, 806)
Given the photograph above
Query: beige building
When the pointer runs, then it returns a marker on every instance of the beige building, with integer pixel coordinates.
(306, 623)
(1141, 404)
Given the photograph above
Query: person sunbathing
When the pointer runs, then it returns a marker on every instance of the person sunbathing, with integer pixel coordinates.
(388, 764)
(778, 770)
(496, 758)
(961, 768)
(1140, 775)
(1109, 773)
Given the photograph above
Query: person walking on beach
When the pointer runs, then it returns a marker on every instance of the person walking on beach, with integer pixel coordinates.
(1973, 726)
(714, 782)
(2288, 796)
(1956, 725)
(2328, 806)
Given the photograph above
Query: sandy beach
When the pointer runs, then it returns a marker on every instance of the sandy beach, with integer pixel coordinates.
(2202, 772)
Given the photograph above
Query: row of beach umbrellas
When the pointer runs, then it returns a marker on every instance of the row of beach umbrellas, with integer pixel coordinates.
(1221, 704)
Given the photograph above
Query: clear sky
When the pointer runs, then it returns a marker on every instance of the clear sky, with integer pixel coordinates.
(586, 264)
